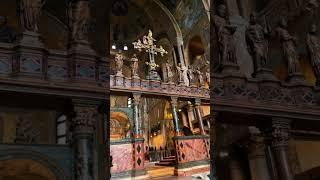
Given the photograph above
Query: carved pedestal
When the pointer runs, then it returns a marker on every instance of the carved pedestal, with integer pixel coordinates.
(31, 57)
(82, 63)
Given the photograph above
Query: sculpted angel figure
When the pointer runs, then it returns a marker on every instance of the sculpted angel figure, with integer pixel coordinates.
(30, 12)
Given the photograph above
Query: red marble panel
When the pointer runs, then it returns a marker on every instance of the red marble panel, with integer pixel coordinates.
(139, 155)
(122, 157)
(192, 150)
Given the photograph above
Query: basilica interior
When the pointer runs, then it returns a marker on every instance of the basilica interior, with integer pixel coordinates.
(159, 89)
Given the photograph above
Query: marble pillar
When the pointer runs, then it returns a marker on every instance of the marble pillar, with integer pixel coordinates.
(190, 115)
(184, 119)
(280, 140)
(257, 156)
(83, 128)
(199, 116)
(174, 104)
(136, 101)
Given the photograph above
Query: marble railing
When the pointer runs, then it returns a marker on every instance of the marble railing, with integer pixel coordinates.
(265, 97)
(27, 66)
(120, 83)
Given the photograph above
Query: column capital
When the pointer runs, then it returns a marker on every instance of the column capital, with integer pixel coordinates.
(174, 101)
(85, 118)
(256, 143)
(197, 102)
(280, 131)
(136, 98)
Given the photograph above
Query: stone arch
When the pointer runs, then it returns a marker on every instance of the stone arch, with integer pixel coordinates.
(119, 124)
(196, 48)
(37, 158)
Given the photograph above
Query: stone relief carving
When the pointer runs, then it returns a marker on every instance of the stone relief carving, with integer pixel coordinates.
(25, 132)
(313, 47)
(30, 12)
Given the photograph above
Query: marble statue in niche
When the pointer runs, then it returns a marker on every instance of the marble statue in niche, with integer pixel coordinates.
(119, 64)
(313, 47)
(257, 43)
(7, 35)
(79, 17)
(288, 45)
(30, 12)
(200, 77)
(225, 32)
(169, 72)
(190, 75)
(134, 66)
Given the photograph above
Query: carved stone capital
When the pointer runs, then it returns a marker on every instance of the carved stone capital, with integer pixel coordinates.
(280, 132)
(136, 98)
(85, 118)
(174, 101)
(256, 143)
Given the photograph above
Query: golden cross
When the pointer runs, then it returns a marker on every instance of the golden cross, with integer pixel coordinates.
(149, 46)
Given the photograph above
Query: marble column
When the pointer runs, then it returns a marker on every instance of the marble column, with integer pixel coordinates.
(138, 144)
(213, 149)
(257, 155)
(197, 107)
(180, 50)
(280, 140)
(136, 101)
(83, 127)
(184, 119)
(174, 104)
(190, 115)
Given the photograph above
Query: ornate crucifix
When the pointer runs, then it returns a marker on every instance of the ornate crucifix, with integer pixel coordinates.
(149, 46)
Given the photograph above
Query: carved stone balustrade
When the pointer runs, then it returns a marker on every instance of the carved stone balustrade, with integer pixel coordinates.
(125, 84)
(40, 70)
(264, 97)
